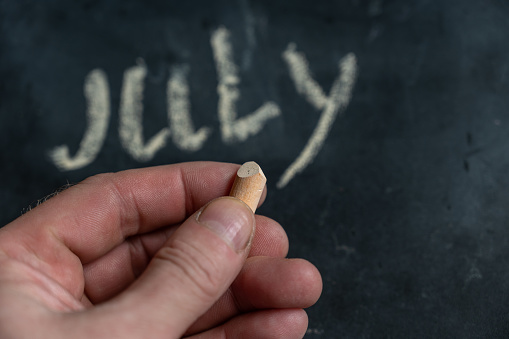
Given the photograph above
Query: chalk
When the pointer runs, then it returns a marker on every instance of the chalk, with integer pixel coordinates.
(249, 184)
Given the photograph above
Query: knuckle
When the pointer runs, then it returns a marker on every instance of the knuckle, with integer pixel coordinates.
(108, 190)
(198, 270)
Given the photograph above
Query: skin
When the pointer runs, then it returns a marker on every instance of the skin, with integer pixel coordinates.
(135, 254)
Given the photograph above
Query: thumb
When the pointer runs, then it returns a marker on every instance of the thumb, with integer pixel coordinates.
(193, 269)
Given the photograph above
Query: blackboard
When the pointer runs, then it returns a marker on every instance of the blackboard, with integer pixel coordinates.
(382, 126)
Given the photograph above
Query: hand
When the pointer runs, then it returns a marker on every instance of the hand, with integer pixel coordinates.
(125, 255)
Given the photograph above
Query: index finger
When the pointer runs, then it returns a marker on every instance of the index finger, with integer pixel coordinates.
(97, 214)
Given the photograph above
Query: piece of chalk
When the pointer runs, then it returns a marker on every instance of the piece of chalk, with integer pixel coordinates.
(249, 184)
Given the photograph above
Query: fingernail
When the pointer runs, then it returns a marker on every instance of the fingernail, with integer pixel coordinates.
(229, 218)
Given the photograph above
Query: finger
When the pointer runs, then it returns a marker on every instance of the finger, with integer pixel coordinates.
(270, 239)
(113, 272)
(265, 283)
(104, 209)
(89, 219)
(267, 324)
(277, 283)
(188, 274)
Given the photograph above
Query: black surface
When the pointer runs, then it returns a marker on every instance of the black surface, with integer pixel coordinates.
(405, 208)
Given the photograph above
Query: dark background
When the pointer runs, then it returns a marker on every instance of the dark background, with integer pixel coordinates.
(405, 208)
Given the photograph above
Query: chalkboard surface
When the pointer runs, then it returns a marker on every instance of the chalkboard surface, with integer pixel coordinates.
(382, 126)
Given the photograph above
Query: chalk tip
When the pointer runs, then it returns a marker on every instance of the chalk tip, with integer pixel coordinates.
(249, 169)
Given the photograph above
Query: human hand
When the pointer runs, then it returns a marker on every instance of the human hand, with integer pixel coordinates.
(125, 255)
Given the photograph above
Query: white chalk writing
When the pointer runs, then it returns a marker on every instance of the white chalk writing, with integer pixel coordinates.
(179, 116)
(233, 129)
(338, 99)
(180, 125)
(131, 117)
(98, 115)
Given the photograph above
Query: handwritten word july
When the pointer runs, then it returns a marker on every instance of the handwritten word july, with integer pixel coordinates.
(181, 128)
